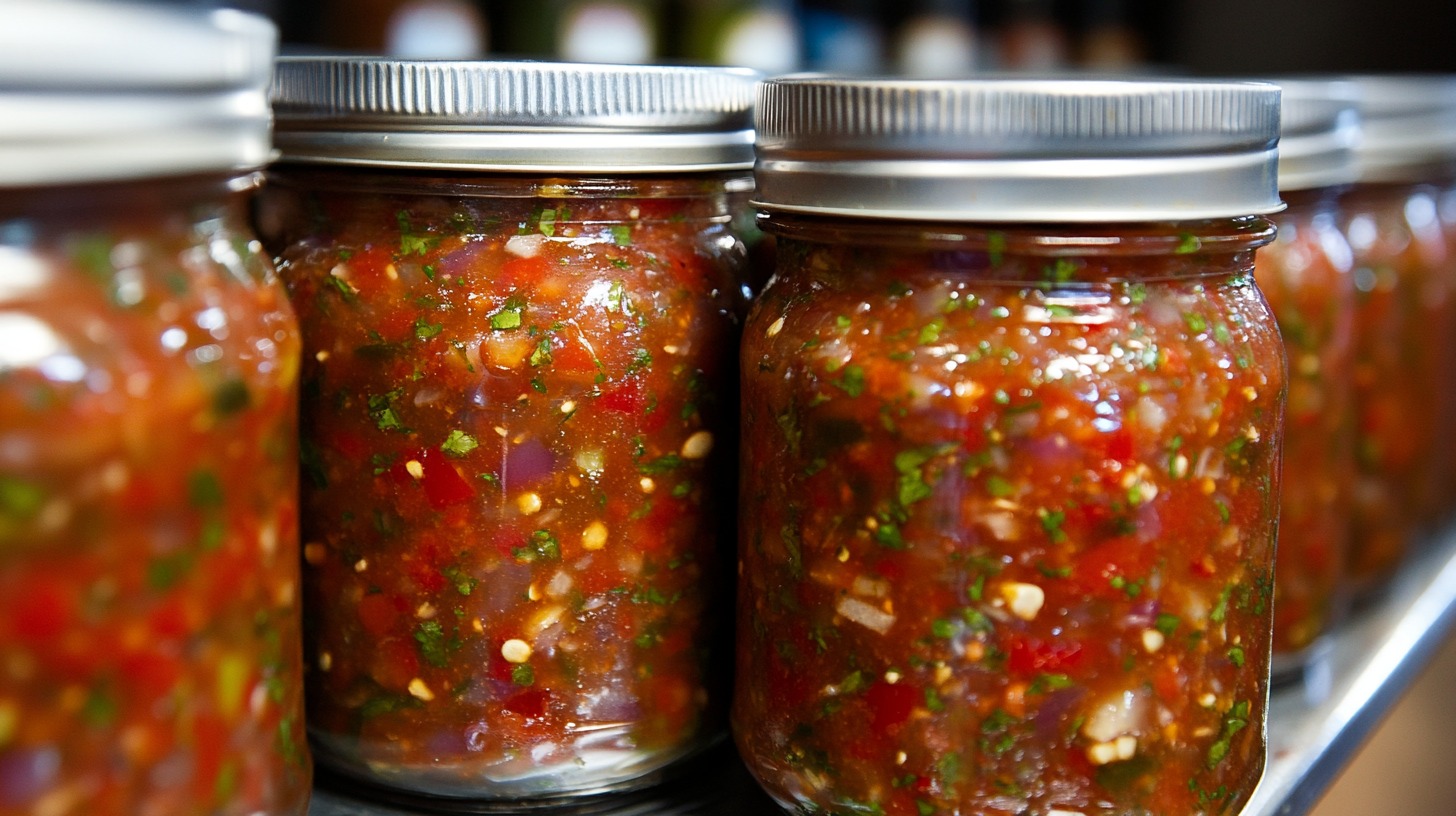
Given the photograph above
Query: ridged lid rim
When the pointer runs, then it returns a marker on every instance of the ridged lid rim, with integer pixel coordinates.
(513, 115)
(1320, 127)
(1018, 149)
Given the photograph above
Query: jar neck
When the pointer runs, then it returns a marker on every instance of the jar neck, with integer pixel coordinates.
(1036, 254)
(145, 205)
(706, 186)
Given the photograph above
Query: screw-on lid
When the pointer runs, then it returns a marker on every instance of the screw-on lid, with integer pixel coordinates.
(1002, 150)
(513, 116)
(102, 91)
(1320, 127)
(1407, 124)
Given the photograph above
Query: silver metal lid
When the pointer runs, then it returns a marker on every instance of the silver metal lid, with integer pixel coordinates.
(513, 116)
(102, 91)
(1013, 149)
(1407, 124)
(1320, 127)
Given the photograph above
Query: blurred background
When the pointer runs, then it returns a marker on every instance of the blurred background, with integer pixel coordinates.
(924, 37)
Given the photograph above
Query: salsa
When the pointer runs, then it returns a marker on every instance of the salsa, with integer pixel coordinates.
(1307, 277)
(1008, 517)
(149, 600)
(517, 415)
(1405, 315)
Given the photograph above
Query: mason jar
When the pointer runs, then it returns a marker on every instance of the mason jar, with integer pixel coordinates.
(1405, 322)
(520, 286)
(149, 599)
(1012, 408)
(1307, 276)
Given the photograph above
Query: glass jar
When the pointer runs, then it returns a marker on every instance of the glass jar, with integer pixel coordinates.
(1306, 274)
(150, 655)
(1007, 545)
(1404, 323)
(518, 423)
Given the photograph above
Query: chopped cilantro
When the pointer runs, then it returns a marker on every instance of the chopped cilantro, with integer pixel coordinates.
(434, 647)
(852, 381)
(1051, 522)
(230, 398)
(622, 234)
(1166, 623)
(204, 489)
(1188, 244)
(522, 674)
(506, 318)
(459, 443)
(542, 355)
(424, 329)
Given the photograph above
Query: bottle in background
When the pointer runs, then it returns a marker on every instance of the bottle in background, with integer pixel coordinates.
(1109, 41)
(1030, 38)
(759, 34)
(842, 37)
(936, 38)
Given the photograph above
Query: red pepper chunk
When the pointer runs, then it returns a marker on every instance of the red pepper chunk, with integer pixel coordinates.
(444, 486)
(891, 703)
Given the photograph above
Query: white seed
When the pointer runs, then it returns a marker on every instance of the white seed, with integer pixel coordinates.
(594, 537)
(528, 503)
(321, 356)
(1126, 746)
(568, 407)
(900, 757)
(533, 593)
(698, 445)
(425, 611)
(1102, 753)
(415, 469)
(361, 565)
(774, 328)
(325, 661)
(544, 618)
(420, 691)
(647, 484)
(1207, 700)
(1025, 600)
(1152, 640)
(516, 650)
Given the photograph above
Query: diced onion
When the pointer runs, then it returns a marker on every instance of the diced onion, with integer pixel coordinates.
(524, 246)
(1120, 715)
(865, 615)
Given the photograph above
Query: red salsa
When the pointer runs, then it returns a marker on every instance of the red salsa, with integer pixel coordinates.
(1405, 317)
(1008, 518)
(517, 416)
(149, 600)
(1307, 277)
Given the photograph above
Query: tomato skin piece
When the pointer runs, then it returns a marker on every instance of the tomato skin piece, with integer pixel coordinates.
(1029, 656)
(378, 614)
(42, 612)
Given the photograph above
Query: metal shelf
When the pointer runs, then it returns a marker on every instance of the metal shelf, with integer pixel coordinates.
(1315, 726)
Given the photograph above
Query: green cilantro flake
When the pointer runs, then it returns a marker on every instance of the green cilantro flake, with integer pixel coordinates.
(459, 443)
